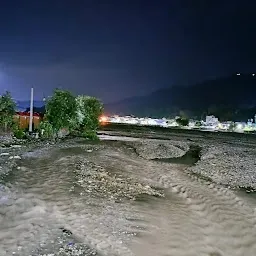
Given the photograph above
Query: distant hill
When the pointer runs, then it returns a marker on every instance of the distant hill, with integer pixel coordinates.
(24, 105)
(234, 93)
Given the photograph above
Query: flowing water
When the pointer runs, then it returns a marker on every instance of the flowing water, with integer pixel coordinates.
(42, 209)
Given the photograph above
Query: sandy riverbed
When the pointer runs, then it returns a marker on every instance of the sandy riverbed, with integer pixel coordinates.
(114, 198)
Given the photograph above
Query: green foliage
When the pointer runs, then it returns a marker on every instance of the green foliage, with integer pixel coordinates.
(79, 115)
(61, 110)
(88, 111)
(89, 134)
(198, 123)
(182, 121)
(46, 130)
(18, 133)
(7, 110)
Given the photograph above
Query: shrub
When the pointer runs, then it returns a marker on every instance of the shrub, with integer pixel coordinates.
(232, 127)
(7, 111)
(18, 133)
(198, 123)
(182, 121)
(46, 130)
(91, 135)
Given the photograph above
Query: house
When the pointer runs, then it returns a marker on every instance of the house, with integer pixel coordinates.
(211, 120)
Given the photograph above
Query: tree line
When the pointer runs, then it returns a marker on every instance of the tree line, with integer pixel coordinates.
(78, 115)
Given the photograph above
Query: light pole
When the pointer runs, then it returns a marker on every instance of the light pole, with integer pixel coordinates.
(31, 110)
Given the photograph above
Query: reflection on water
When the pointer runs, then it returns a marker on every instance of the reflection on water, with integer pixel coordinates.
(195, 218)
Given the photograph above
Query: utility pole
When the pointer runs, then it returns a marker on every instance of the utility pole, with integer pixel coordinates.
(31, 110)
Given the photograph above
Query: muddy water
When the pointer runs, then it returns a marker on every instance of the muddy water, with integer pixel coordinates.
(41, 200)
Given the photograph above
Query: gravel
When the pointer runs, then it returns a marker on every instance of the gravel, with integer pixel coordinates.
(64, 245)
(152, 149)
(97, 181)
(225, 159)
(229, 165)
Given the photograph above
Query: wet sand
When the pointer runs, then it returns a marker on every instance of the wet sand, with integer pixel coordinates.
(48, 195)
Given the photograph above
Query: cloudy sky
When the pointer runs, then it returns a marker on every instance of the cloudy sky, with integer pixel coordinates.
(118, 49)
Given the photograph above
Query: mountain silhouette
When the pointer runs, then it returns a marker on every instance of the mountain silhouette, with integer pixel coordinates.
(234, 92)
(25, 105)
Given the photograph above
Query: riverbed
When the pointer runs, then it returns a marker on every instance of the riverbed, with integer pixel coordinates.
(120, 197)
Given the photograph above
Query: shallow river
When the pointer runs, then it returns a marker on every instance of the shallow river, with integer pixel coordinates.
(42, 209)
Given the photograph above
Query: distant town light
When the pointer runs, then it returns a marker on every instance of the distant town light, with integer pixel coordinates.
(103, 119)
(238, 74)
(239, 126)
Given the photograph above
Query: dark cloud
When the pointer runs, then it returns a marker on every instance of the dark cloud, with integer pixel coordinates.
(117, 49)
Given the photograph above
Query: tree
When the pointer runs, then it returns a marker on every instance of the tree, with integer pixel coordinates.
(232, 127)
(88, 111)
(7, 110)
(80, 114)
(182, 121)
(198, 124)
(61, 110)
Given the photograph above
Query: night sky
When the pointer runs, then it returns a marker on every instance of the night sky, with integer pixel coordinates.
(118, 49)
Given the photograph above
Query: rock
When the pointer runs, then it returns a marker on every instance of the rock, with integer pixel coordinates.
(16, 146)
(14, 157)
(66, 231)
(63, 133)
(4, 154)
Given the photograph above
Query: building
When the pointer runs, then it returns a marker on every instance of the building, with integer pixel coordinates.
(211, 120)
(22, 119)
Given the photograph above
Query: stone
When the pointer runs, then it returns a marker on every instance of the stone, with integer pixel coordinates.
(4, 154)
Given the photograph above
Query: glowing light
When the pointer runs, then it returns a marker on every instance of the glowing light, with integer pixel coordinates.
(239, 126)
(103, 119)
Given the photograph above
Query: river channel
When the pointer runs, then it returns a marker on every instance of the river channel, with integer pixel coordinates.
(44, 210)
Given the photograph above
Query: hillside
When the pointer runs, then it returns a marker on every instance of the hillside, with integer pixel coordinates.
(24, 105)
(229, 98)
(229, 94)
